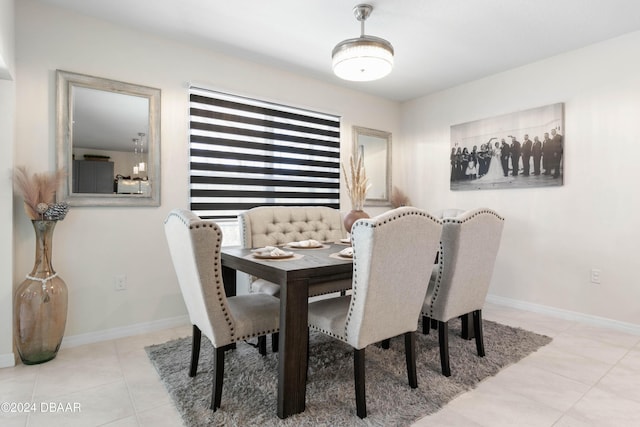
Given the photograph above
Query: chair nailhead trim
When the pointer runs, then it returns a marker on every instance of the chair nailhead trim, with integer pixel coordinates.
(454, 220)
(331, 334)
(220, 287)
(373, 223)
(475, 214)
(255, 334)
(434, 297)
(219, 284)
(218, 278)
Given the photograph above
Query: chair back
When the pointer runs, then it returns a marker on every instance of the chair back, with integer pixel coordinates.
(469, 247)
(393, 254)
(195, 245)
(278, 225)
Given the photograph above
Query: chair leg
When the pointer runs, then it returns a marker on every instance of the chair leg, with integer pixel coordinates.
(358, 372)
(262, 345)
(274, 341)
(386, 344)
(426, 325)
(410, 353)
(218, 376)
(477, 328)
(195, 350)
(443, 336)
(467, 327)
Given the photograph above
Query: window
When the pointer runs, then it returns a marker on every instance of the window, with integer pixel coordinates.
(246, 153)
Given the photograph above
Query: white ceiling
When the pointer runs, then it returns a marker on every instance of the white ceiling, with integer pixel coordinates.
(438, 43)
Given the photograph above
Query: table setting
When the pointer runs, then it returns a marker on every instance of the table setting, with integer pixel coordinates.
(271, 252)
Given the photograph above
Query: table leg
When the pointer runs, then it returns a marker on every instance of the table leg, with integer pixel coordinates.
(293, 339)
(229, 280)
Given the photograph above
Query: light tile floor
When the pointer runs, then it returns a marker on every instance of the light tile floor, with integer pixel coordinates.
(587, 376)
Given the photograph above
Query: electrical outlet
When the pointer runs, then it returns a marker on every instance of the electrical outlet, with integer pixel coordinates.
(120, 282)
(595, 275)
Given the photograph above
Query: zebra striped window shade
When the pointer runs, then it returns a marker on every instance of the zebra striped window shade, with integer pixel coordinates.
(246, 153)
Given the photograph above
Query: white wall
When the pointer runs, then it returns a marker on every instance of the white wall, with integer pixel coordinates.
(7, 120)
(93, 244)
(552, 236)
(7, 59)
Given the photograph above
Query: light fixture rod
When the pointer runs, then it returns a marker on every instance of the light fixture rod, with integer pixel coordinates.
(362, 12)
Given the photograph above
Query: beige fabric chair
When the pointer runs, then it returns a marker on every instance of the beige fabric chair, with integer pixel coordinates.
(195, 250)
(460, 281)
(392, 256)
(279, 225)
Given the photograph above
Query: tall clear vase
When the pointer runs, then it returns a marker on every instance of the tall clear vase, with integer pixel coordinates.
(40, 303)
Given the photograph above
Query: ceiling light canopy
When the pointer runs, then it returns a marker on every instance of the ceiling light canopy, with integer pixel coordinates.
(364, 58)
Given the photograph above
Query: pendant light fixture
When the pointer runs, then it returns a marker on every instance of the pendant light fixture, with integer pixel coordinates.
(364, 58)
(142, 166)
(136, 150)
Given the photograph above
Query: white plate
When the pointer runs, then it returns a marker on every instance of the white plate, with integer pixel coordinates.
(345, 240)
(263, 255)
(296, 245)
(346, 253)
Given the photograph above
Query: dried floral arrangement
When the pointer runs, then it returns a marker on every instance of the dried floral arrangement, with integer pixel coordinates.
(399, 198)
(359, 185)
(39, 192)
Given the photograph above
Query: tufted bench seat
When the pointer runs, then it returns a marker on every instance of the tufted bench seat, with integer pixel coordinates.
(279, 225)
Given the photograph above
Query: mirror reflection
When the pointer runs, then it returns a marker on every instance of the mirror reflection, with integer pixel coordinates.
(375, 148)
(108, 141)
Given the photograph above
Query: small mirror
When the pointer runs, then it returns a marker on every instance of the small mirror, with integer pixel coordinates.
(375, 148)
(108, 141)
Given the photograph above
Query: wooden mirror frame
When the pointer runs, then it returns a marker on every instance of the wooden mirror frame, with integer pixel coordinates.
(65, 82)
(377, 165)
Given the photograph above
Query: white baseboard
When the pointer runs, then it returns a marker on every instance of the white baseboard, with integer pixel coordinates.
(125, 331)
(629, 328)
(7, 360)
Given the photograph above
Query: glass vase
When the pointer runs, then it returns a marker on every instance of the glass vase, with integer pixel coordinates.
(40, 305)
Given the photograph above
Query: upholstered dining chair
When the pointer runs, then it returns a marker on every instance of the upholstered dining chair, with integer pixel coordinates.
(195, 245)
(389, 253)
(460, 281)
(279, 225)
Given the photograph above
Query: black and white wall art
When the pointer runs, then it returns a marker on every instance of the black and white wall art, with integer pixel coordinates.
(517, 150)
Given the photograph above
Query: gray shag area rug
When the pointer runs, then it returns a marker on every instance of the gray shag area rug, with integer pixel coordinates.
(251, 381)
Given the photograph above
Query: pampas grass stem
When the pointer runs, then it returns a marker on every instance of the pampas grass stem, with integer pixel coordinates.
(36, 189)
(359, 185)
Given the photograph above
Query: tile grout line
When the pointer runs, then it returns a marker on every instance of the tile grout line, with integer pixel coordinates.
(595, 383)
(126, 383)
(33, 393)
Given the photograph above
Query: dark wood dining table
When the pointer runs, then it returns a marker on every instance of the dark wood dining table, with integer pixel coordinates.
(296, 275)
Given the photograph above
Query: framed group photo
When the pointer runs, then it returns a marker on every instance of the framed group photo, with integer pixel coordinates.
(517, 150)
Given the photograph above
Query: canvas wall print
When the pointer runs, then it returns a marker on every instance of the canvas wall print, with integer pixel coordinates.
(518, 150)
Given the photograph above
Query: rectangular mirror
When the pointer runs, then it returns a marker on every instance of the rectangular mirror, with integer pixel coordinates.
(108, 141)
(375, 148)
